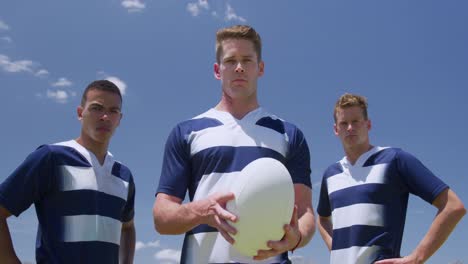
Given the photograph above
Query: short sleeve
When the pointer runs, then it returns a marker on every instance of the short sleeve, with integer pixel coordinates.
(29, 182)
(176, 169)
(419, 179)
(323, 207)
(298, 158)
(129, 209)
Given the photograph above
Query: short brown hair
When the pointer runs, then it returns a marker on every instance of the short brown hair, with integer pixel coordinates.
(238, 32)
(101, 85)
(349, 100)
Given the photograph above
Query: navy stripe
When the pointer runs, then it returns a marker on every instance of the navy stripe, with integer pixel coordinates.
(360, 236)
(198, 124)
(275, 124)
(333, 170)
(65, 155)
(384, 156)
(121, 171)
(87, 202)
(373, 193)
(92, 252)
(230, 159)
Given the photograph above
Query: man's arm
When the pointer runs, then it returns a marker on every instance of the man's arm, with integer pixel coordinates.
(302, 227)
(172, 217)
(127, 243)
(450, 212)
(325, 227)
(8, 254)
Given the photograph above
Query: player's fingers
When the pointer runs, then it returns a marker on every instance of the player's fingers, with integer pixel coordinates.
(225, 214)
(225, 226)
(295, 218)
(222, 198)
(226, 236)
(264, 254)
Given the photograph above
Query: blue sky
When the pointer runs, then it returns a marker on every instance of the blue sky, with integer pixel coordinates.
(410, 58)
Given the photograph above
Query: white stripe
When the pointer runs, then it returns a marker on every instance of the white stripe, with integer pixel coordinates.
(84, 178)
(234, 135)
(354, 255)
(215, 182)
(358, 214)
(357, 176)
(80, 228)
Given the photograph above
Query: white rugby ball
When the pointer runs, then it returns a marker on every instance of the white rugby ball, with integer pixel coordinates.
(264, 203)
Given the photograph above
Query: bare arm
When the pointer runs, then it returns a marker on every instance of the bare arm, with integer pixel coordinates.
(325, 227)
(301, 229)
(450, 212)
(8, 254)
(172, 217)
(127, 243)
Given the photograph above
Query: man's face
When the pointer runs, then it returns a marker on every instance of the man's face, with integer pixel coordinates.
(100, 116)
(238, 69)
(351, 126)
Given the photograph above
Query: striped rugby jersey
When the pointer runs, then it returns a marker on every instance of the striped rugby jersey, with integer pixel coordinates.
(80, 204)
(205, 154)
(367, 203)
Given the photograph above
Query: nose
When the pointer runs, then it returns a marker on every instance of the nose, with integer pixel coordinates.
(105, 116)
(239, 68)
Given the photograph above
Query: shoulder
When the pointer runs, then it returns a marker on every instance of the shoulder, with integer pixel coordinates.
(333, 169)
(278, 124)
(197, 123)
(122, 171)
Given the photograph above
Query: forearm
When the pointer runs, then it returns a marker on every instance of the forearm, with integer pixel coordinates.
(306, 227)
(326, 230)
(306, 217)
(174, 218)
(440, 229)
(8, 254)
(127, 244)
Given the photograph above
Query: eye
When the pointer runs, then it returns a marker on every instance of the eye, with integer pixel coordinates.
(229, 61)
(96, 108)
(115, 111)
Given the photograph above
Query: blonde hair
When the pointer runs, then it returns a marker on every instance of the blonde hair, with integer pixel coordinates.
(349, 100)
(238, 32)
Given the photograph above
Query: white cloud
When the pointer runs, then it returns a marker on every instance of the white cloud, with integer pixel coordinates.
(195, 8)
(41, 73)
(140, 245)
(168, 256)
(7, 39)
(231, 15)
(133, 5)
(121, 84)
(62, 82)
(4, 26)
(15, 66)
(60, 96)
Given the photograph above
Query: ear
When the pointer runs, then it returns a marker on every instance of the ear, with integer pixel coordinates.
(335, 129)
(79, 112)
(261, 68)
(217, 74)
(369, 124)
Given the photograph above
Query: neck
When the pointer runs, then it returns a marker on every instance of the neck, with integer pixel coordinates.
(237, 108)
(97, 148)
(353, 153)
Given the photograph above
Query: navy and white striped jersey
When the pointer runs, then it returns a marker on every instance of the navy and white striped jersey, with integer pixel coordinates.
(367, 202)
(205, 154)
(80, 204)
